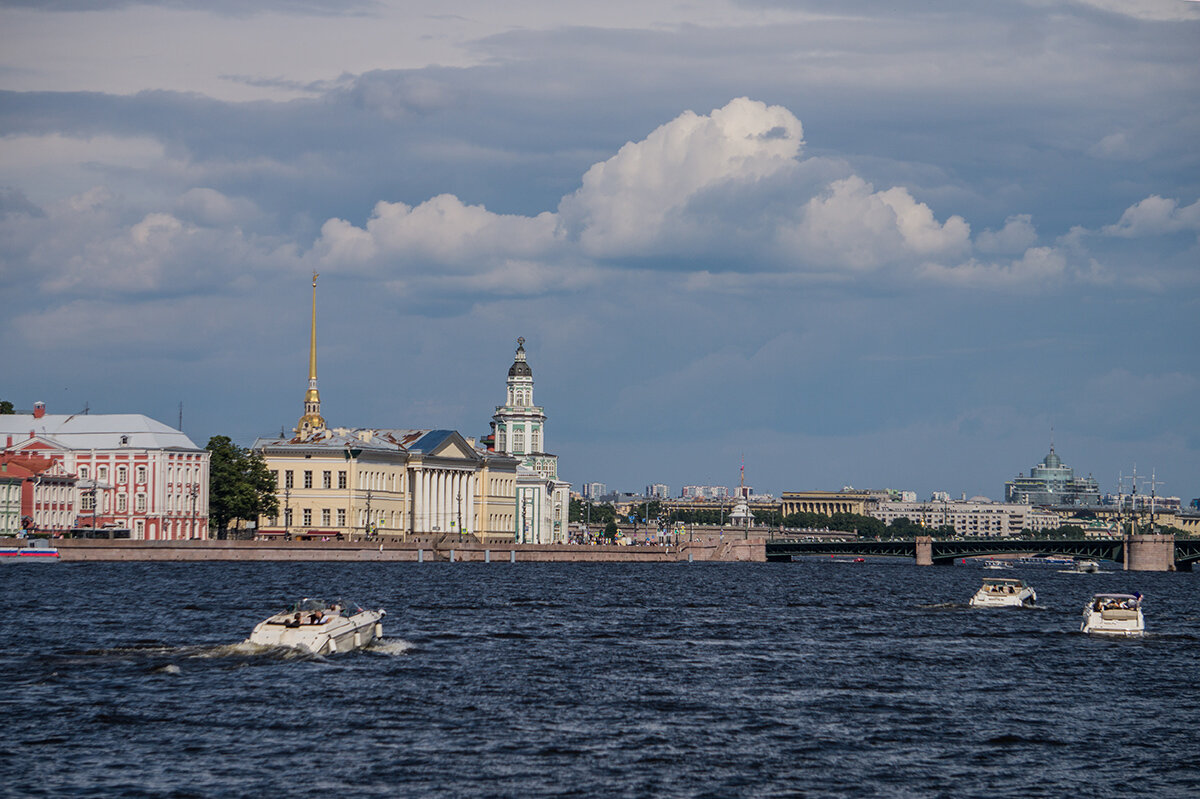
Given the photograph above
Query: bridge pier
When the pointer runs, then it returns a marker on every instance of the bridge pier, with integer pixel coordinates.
(924, 550)
(1150, 553)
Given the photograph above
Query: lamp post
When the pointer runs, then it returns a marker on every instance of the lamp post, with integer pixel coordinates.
(287, 513)
(194, 492)
(460, 533)
(367, 526)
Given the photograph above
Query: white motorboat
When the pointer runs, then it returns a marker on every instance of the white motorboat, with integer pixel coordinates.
(1114, 614)
(1082, 567)
(321, 627)
(997, 564)
(1003, 592)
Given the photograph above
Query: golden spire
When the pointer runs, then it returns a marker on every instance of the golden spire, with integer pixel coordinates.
(312, 421)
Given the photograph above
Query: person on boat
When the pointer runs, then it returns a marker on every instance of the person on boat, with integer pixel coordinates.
(294, 621)
(316, 618)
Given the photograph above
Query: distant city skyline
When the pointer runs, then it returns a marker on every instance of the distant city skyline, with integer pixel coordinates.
(726, 230)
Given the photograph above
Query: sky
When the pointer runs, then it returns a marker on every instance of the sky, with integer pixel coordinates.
(881, 245)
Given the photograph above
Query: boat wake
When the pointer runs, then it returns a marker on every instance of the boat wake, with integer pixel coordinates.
(389, 646)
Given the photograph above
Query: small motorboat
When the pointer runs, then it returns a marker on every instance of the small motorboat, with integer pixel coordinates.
(1082, 567)
(1003, 592)
(321, 627)
(1114, 614)
(997, 564)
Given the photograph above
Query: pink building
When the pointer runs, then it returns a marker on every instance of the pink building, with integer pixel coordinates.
(131, 472)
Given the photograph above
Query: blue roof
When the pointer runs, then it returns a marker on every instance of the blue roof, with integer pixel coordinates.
(431, 440)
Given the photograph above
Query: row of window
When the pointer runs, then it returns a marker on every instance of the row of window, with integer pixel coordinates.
(289, 478)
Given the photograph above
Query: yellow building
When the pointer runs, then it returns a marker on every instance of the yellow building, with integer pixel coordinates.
(398, 483)
(831, 502)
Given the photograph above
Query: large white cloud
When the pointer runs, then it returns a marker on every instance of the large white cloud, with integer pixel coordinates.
(854, 226)
(625, 202)
(698, 182)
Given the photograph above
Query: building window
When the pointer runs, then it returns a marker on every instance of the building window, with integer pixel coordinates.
(102, 474)
(288, 482)
(326, 479)
(287, 517)
(326, 517)
(141, 474)
(307, 517)
(519, 441)
(537, 441)
(88, 500)
(84, 472)
(275, 477)
(307, 478)
(122, 503)
(122, 475)
(341, 479)
(139, 528)
(341, 517)
(140, 503)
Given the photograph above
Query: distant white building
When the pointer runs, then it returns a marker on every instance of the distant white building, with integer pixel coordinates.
(704, 492)
(132, 472)
(976, 517)
(658, 490)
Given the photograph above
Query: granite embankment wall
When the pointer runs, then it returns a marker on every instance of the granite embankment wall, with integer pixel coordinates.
(717, 550)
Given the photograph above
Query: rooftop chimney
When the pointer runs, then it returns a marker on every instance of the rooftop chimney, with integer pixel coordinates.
(39, 410)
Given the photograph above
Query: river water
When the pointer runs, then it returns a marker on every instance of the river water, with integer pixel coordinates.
(810, 678)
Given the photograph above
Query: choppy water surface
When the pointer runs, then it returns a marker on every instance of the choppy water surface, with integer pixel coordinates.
(809, 678)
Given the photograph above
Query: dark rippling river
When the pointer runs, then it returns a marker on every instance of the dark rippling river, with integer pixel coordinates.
(810, 678)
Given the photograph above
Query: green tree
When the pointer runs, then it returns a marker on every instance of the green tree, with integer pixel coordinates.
(610, 530)
(240, 486)
(6, 407)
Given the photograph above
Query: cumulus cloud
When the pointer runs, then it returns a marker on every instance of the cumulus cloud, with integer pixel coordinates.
(853, 225)
(1155, 216)
(1017, 234)
(626, 203)
(1037, 268)
(698, 187)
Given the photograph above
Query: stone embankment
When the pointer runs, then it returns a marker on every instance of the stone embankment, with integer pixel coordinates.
(446, 550)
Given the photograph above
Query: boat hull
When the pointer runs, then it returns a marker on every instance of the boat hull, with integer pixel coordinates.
(340, 634)
(1118, 623)
(985, 599)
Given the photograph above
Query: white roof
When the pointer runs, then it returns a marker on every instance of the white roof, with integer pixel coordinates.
(96, 431)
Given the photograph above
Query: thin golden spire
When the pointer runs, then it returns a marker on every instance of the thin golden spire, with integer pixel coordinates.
(312, 420)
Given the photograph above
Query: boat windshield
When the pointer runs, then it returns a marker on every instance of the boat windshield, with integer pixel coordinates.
(308, 605)
(348, 607)
(1001, 582)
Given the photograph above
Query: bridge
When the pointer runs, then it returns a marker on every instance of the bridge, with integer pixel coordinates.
(1137, 553)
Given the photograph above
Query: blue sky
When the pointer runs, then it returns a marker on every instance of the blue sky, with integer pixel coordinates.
(869, 246)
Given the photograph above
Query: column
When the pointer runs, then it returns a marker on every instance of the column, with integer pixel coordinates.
(468, 516)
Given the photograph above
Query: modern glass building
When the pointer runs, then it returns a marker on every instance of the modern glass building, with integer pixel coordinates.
(1052, 482)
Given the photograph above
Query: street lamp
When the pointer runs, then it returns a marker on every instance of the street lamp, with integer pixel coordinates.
(287, 513)
(194, 492)
(460, 534)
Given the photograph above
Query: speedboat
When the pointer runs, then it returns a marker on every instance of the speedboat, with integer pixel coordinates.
(997, 564)
(1114, 614)
(321, 627)
(1003, 592)
(1082, 567)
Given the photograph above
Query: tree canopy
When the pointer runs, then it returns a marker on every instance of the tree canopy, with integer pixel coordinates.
(240, 485)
